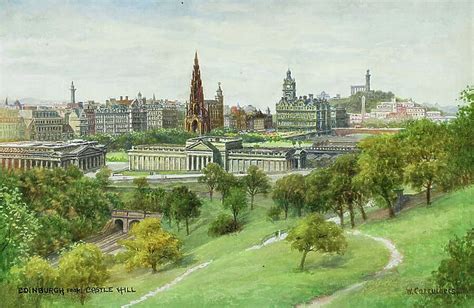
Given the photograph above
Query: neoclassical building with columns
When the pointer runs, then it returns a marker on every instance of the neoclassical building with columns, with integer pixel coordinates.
(87, 155)
(225, 151)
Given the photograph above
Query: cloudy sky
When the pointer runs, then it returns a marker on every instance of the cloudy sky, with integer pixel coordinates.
(418, 49)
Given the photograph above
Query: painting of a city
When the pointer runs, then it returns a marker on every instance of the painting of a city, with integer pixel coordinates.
(251, 153)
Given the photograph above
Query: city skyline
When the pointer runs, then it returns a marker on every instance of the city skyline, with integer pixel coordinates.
(415, 49)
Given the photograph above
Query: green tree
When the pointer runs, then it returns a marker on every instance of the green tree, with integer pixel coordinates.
(18, 228)
(35, 272)
(290, 191)
(82, 267)
(317, 197)
(186, 204)
(225, 182)
(236, 201)
(212, 173)
(256, 182)
(166, 207)
(313, 233)
(425, 142)
(381, 166)
(150, 246)
(156, 200)
(461, 144)
(102, 177)
(281, 195)
(344, 190)
(140, 200)
(455, 273)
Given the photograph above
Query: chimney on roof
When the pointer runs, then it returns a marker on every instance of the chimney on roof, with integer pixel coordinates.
(121, 97)
(126, 97)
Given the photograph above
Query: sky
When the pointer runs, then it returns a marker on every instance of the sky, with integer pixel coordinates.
(416, 49)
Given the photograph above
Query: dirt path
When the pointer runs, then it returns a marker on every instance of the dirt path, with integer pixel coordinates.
(168, 285)
(395, 259)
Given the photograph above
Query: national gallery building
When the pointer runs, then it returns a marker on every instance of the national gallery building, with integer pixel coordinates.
(87, 155)
(226, 151)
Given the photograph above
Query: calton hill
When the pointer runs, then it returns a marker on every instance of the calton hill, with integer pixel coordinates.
(390, 225)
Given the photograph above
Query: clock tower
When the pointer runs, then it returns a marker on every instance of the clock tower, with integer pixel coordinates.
(289, 87)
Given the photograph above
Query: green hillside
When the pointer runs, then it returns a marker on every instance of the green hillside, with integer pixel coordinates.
(420, 235)
(268, 277)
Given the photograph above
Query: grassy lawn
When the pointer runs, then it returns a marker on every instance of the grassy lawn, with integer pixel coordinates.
(119, 156)
(265, 277)
(420, 234)
(269, 277)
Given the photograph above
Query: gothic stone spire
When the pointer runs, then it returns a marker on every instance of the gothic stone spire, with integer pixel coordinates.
(197, 119)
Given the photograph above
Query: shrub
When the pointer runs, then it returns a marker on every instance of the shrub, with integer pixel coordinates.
(223, 224)
(453, 281)
(274, 213)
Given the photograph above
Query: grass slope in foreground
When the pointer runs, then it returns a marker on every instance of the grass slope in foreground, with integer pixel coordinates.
(420, 234)
(265, 277)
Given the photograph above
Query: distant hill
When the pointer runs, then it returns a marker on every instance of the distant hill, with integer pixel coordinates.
(353, 102)
(449, 110)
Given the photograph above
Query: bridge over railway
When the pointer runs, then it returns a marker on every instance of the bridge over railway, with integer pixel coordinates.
(124, 219)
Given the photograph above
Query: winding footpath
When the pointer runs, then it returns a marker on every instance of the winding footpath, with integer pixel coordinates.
(167, 286)
(395, 259)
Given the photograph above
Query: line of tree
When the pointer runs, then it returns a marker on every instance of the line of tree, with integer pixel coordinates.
(44, 210)
(234, 193)
(79, 268)
(127, 140)
(180, 204)
(426, 156)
